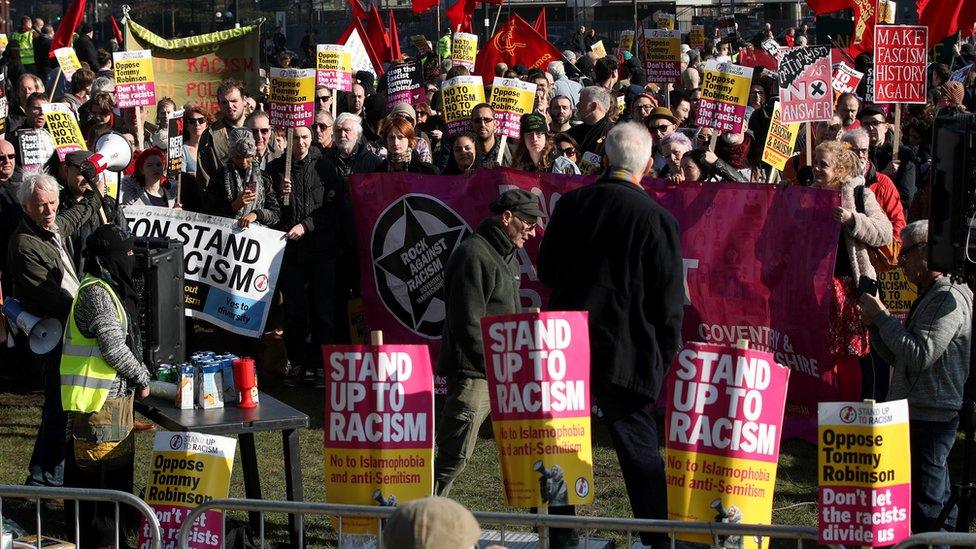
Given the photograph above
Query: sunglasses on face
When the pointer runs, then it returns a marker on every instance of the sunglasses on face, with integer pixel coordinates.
(321, 127)
(262, 131)
(194, 120)
(568, 150)
(483, 120)
(324, 98)
(9, 157)
(659, 129)
(904, 253)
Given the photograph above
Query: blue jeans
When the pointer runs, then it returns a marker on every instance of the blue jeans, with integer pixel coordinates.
(931, 442)
(47, 460)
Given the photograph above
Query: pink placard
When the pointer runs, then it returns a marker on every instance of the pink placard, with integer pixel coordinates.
(535, 358)
(142, 94)
(725, 117)
(879, 514)
(284, 115)
(378, 396)
(509, 124)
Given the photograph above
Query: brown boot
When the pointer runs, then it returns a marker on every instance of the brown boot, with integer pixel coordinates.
(143, 426)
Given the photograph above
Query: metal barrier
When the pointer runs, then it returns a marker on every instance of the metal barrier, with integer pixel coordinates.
(540, 522)
(939, 538)
(38, 493)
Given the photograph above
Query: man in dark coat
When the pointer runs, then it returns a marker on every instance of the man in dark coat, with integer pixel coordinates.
(609, 249)
(85, 48)
(481, 279)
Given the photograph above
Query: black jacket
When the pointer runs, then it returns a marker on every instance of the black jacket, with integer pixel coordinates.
(481, 279)
(315, 205)
(590, 138)
(86, 51)
(613, 251)
(416, 165)
(42, 48)
(10, 215)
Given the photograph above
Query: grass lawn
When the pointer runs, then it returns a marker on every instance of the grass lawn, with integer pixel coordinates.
(479, 487)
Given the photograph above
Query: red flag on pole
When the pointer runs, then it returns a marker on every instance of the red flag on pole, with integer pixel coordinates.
(540, 24)
(68, 25)
(460, 15)
(865, 18)
(117, 31)
(358, 11)
(376, 32)
(944, 18)
(420, 6)
(395, 52)
(515, 43)
(356, 27)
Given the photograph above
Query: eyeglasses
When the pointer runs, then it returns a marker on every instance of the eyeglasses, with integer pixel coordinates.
(659, 129)
(647, 107)
(871, 123)
(904, 253)
(484, 120)
(528, 226)
(323, 98)
(568, 150)
(431, 90)
(194, 120)
(321, 127)
(9, 157)
(262, 131)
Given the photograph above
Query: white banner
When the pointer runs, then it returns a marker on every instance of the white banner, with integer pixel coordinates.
(230, 273)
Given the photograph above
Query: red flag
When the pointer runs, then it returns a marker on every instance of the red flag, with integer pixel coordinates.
(376, 32)
(516, 42)
(460, 15)
(356, 27)
(758, 58)
(358, 11)
(395, 52)
(68, 25)
(826, 6)
(944, 18)
(420, 6)
(117, 31)
(540, 24)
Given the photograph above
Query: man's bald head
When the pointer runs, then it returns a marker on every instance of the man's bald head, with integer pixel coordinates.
(7, 160)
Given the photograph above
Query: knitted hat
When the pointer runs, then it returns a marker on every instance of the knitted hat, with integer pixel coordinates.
(240, 143)
(431, 523)
(404, 108)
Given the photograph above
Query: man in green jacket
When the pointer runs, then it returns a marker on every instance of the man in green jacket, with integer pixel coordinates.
(481, 279)
(444, 45)
(45, 283)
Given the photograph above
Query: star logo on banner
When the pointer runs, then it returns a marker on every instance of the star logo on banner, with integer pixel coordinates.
(412, 242)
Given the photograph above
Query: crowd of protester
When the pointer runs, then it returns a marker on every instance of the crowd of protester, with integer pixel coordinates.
(234, 167)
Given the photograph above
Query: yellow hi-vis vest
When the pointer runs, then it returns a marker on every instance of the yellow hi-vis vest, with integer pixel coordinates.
(26, 42)
(85, 376)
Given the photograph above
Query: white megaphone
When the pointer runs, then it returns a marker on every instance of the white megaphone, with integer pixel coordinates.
(43, 334)
(112, 152)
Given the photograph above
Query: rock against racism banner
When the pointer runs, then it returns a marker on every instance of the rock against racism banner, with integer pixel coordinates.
(68, 61)
(187, 469)
(805, 91)
(865, 487)
(724, 421)
(333, 67)
(725, 91)
(191, 68)
(292, 97)
(900, 57)
(745, 276)
(405, 83)
(538, 367)
(662, 49)
(135, 82)
(379, 426)
(459, 95)
(464, 49)
(63, 127)
(780, 141)
(511, 98)
(230, 274)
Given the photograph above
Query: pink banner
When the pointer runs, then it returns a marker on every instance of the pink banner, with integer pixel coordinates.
(206, 531)
(745, 275)
(283, 115)
(805, 88)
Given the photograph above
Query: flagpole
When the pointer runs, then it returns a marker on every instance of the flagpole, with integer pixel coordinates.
(497, 15)
(438, 37)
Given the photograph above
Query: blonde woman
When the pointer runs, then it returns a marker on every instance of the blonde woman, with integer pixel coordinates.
(837, 167)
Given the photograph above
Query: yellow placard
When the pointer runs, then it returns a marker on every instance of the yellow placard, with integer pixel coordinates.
(459, 95)
(292, 97)
(779, 141)
(61, 123)
(725, 90)
(333, 66)
(4, 41)
(696, 37)
(135, 84)
(626, 41)
(662, 62)
(464, 49)
(68, 60)
(599, 49)
(511, 98)
(897, 292)
(664, 21)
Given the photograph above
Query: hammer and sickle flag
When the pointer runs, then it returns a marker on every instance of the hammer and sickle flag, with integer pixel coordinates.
(516, 42)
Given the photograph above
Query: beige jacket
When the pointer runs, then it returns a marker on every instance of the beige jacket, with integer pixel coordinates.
(871, 229)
